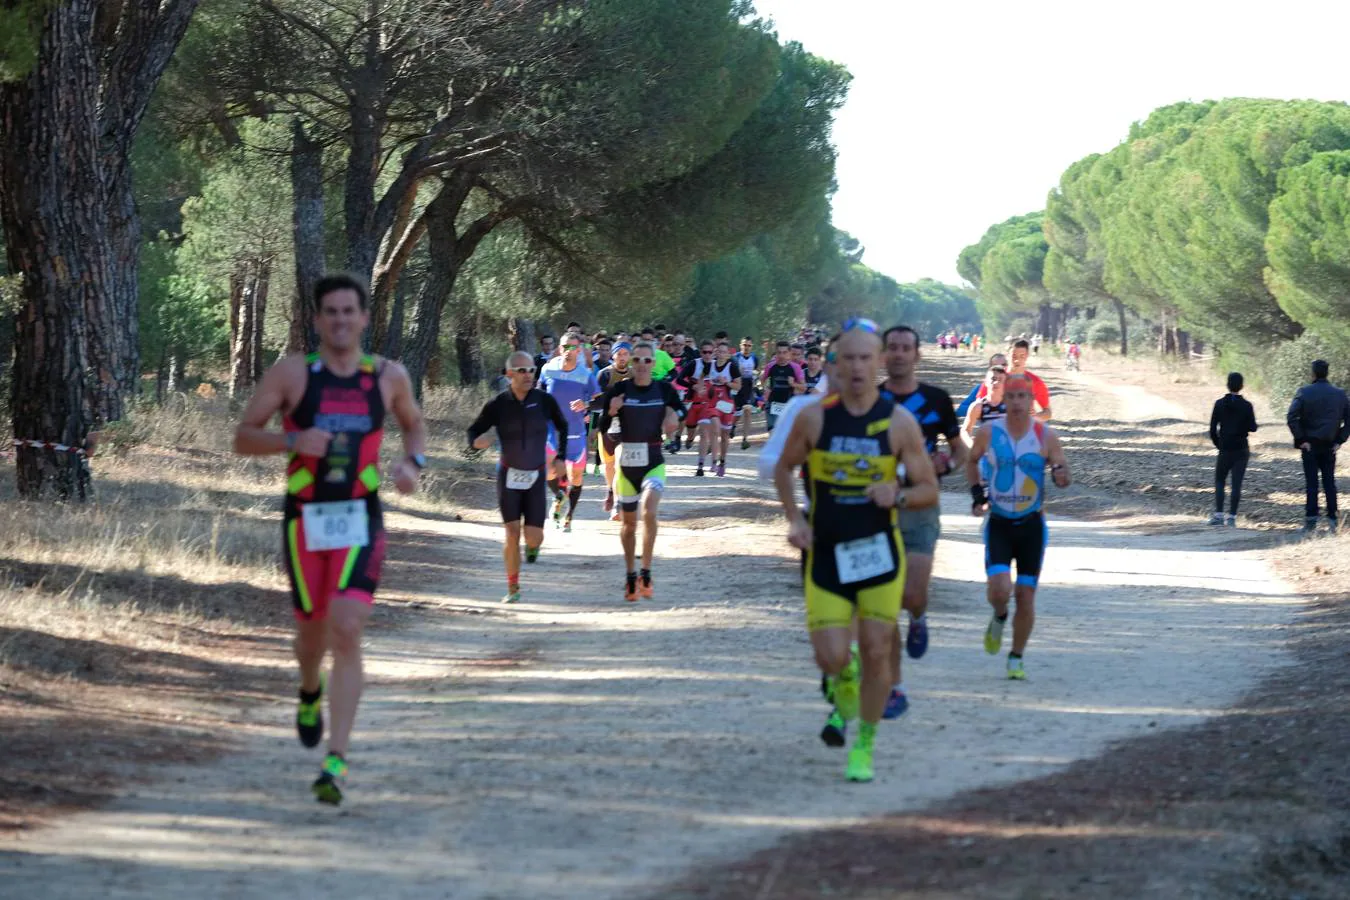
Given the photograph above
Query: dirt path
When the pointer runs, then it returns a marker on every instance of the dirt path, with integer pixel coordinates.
(577, 747)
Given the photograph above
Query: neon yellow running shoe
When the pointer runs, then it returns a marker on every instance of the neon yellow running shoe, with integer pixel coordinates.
(993, 635)
(328, 786)
(1015, 670)
(845, 688)
(859, 763)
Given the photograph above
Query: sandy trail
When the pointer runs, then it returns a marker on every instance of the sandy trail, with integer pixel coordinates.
(576, 746)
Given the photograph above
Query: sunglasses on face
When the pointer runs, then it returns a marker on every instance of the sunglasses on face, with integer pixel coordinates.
(642, 360)
(707, 352)
(524, 370)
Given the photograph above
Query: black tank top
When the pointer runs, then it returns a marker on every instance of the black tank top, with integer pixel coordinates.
(352, 410)
(853, 452)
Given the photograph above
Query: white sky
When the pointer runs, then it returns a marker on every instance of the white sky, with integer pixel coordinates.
(964, 113)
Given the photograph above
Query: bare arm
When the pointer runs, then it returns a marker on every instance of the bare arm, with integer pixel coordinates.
(252, 437)
(805, 432)
(959, 451)
(1059, 463)
(977, 451)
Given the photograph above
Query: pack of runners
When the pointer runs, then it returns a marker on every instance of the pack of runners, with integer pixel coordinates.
(856, 460)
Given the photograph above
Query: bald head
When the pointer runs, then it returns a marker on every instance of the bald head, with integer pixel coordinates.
(519, 358)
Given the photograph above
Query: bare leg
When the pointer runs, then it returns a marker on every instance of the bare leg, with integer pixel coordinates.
(311, 643)
(511, 550)
(1024, 618)
(651, 501)
(534, 539)
(628, 537)
(347, 619)
(831, 646)
(874, 645)
(1000, 586)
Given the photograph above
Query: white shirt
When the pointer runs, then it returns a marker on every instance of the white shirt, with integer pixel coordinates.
(768, 457)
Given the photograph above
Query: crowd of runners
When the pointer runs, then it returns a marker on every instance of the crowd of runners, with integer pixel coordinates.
(856, 451)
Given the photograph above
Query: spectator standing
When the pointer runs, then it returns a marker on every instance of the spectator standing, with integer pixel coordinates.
(1319, 419)
(1230, 423)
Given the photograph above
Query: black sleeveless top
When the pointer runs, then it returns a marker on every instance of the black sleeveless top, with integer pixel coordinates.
(352, 410)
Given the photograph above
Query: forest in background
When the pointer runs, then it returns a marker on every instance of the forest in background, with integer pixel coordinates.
(1217, 229)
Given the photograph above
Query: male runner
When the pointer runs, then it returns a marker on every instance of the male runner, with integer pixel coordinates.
(1018, 450)
(525, 418)
(645, 409)
(609, 437)
(719, 381)
(797, 355)
(782, 380)
(851, 442)
(1039, 392)
(547, 350)
(816, 382)
(748, 364)
(600, 360)
(990, 407)
(931, 406)
(998, 359)
(690, 382)
(574, 386)
(333, 405)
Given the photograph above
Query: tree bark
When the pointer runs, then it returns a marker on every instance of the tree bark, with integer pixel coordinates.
(468, 345)
(250, 288)
(393, 338)
(1124, 329)
(307, 224)
(523, 335)
(264, 269)
(1183, 342)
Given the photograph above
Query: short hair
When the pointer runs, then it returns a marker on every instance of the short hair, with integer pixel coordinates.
(599, 336)
(1022, 344)
(748, 338)
(571, 325)
(667, 338)
(659, 327)
(1235, 381)
(341, 281)
(798, 346)
(640, 344)
(782, 344)
(546, 337)
(721, 336)
(603, 342)
(647, 331)
(1012, 380)
(814, 351)
(899, 329)
(1320, 368)
(1002, 356)
(518, 354)
(706, 343)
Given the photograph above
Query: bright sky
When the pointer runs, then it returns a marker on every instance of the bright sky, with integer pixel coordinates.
(963, 113)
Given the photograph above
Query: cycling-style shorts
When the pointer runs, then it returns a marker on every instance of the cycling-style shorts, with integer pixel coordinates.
(631, 482)
(608, 446)
(576, 449)
(832, 604)
(745, 399)
(530, 504)
(317, 576)
(1020, 541)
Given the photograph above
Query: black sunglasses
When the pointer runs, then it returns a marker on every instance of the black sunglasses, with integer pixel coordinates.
(524, 370)
(643, 360)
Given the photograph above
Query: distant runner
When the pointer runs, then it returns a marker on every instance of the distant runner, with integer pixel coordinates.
(522, 416)
(782, 380)
(748, 364)
(1018, 450)
(573, 385)
(1039, 392)
(617, 371)
(852, 442)
(333, 405)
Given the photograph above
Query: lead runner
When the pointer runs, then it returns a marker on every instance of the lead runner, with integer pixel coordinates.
(333, 405)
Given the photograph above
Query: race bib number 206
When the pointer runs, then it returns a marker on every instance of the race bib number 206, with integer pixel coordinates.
(337, 525)
(864, 559)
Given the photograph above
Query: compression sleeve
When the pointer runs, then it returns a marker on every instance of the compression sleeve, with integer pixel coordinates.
(673, 400)
(606, 419)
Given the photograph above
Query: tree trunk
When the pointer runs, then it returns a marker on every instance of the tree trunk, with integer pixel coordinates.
(435, 290)
(244, 340)
(162, 378)
(523, 335)
(307, 225)
(468, 345)
(393, 338)
(1124, 329)
(1183, 342)
(177, 371)
(264, 282)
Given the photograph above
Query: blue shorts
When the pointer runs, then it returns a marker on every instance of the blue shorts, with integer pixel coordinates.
(576, 447)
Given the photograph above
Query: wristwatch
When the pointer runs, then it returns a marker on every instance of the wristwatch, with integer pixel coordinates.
(418, 459)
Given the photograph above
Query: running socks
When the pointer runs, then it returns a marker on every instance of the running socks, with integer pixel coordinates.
(513, 582)
(646, 577)
(573, 495)
(558, 487)
(309, 698)
(867, 734)
(531, 554)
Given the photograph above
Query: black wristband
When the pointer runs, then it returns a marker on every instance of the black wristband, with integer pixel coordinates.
(979, 494)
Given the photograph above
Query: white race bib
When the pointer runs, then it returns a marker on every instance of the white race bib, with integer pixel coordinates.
(336, 526)
(864, 558)
(615, 427)
(634, 455)
(776, 409)
(725, 406)
(521, 479)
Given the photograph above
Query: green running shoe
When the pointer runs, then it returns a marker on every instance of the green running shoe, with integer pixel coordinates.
(512, 596)
(1015, 670)
(532, 554)
(328, 786)
(993, 635)
(859, 763)
(845, 688)
(309, 719)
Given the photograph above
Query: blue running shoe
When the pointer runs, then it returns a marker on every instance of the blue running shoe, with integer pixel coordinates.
(896, 704)
(916, 640)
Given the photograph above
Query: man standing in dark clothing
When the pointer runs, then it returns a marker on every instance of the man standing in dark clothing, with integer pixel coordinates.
(1319, 419)
(1230, 423)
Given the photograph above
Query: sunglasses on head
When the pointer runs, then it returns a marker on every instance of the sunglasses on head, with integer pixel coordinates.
(523, 370)
(861, 324)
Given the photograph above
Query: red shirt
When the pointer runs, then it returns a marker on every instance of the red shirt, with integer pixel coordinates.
(1039, 392)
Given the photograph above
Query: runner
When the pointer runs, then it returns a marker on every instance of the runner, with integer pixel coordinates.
(782, 380)
(645, 409)
(989, 408)
(333, 406)
(601, 361)
(998, 359)
(851, 442)
(1039, 392)
(526, 419)
(748, 364)
(609, 436)
(690, 381)
(574, 386)
(920, 529)
(716, 382)
(816, 381)
(1018, 450)
(547, 350)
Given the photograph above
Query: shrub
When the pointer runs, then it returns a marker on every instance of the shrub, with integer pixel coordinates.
(1286, 368)
(1104, 334)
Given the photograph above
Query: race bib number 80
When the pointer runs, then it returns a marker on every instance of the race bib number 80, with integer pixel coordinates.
(634, 455)
(337, 525)
(864, 559)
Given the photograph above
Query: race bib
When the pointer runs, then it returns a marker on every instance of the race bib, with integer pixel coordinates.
(776, 409)
(634, 455)
(337, 525)
(864, 558)
(725, 406)
(521, 479)
(614, 427)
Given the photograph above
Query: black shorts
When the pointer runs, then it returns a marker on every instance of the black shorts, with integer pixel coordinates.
(1021, 541)
(530, 504)
(746, 398)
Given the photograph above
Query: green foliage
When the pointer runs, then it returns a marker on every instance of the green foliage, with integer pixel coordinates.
(1288, 367)
(1007, 266)
(1103, 334)
(20, 32)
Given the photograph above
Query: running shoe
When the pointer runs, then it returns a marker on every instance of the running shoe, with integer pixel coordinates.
(688, 441)
(673, 446)
(1216, 519)
(721, 469)
(835, 732)
(532, 554)
(916, 639)
(845, 688)
(609, 502)
(745, 443)
(645, 590)
(328, 786)
(699, 473)
(1015, 670)
(558, 510)
(512, 596)
(309, 719)
(993, 635)
(595, 470)
(859, 764)
(567, 525)
(630, 591)
(1231, 522)
(896, 704)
